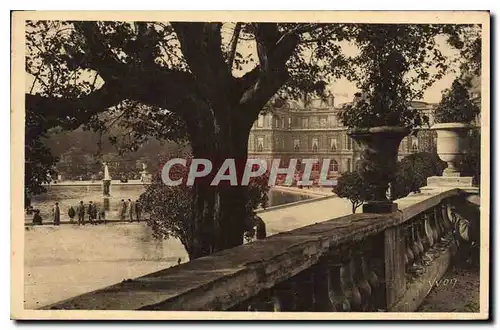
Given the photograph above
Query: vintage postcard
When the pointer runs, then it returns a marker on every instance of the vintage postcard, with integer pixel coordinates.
(250, 165)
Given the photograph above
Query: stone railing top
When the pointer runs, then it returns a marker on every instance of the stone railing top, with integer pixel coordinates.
(223, 279)
(414, 204)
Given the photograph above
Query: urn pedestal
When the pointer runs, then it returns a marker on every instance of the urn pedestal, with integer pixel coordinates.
(377, 165)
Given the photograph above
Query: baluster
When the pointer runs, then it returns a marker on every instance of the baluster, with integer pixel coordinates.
(322, 287)
(419, 237)
(433, 252)
(428, 231)
(445, 232)
(348, 286)
(437, 225)
(425, 239)
(446, 220)
(409, 253)
(440, 244)
(374, 265)
(305, 291)
(336, 292)
(275, 302)
(360, 276)
(432, 225)
(286, 294)
(416, 268)
(423, 244)
(414, 245)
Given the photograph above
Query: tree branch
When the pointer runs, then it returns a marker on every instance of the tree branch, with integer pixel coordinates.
(201, 46)
(70, 113)
(233, 45)
(101, 59)
(263, 81)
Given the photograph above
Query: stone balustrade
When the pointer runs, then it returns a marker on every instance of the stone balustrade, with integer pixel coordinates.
(361, 263)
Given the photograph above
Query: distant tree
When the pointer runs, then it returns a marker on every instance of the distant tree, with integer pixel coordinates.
(471, 164)
(170, 213)
(413, 171)
(39, 162)
(351, 186)
(456, 104)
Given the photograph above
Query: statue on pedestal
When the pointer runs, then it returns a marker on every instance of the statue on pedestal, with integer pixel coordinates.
(106, 181)
(145, 176)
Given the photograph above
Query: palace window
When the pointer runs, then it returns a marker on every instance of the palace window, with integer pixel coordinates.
(251, 142)
(348, 142)
(414, 144)
(260, 143)
(296, 144)
(276, 122)
(315, 144)
(322, 121)
(333, 144)
(334, 166)
(305, 122)
(260, 121)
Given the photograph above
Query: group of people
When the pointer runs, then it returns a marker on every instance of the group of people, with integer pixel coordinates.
(94, 213)
(129, 209)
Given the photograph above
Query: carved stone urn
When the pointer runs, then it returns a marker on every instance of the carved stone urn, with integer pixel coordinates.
(450, 140)
(377, 166)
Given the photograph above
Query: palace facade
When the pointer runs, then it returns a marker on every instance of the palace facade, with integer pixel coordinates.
(314, 131)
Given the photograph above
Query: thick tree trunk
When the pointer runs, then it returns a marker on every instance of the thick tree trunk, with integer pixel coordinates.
(218, 212)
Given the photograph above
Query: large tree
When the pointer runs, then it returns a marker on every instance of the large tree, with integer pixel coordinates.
(86, 68)
(171, 80)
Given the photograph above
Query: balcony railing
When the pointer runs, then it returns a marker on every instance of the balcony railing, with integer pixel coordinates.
(360, 262)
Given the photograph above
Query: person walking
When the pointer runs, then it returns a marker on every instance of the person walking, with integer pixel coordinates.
(90, 212)
(123, 211)
(102, 215)
(94, 214)
(130, 209)
(138, 210)
(57, 214)
(81, 213)
(37, 219)
(71, 214)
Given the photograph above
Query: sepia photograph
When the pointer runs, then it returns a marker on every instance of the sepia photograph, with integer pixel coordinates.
(265, 165)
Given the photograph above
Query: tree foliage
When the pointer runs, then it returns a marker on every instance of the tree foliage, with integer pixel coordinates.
(413, 171)
(351, 186)
(456, 104)
(39, 166)
(393, 69)
(471, 164)
(170, 212)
